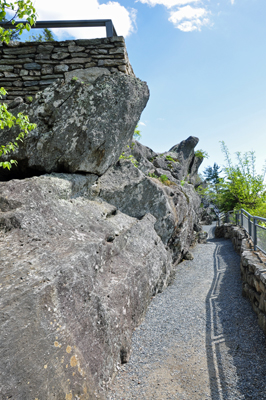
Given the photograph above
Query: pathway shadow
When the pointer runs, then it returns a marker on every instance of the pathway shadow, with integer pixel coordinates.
(235, 345)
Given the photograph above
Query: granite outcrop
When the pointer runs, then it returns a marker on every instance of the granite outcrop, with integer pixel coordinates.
(92, 229)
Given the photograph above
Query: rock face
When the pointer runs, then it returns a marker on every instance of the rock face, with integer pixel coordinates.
(80, 127)
(76, 278)
(175, 207)
(82, 254)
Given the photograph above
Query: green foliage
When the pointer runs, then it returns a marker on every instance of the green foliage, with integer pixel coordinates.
(212, 174)
(14, 34)
(46, 36)
(169, 158)
(137, 134)
(241, 187)
(9, 120)
(182, 183)
(163, 178)
(129, 157)
(20, 9)
(201, 154)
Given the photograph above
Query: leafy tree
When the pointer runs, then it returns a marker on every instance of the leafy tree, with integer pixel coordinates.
(46, 36)
(211, 174)
(242, 187)
(14, 34)
(20, 9)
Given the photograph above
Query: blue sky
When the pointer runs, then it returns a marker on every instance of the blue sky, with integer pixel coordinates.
(204, 62)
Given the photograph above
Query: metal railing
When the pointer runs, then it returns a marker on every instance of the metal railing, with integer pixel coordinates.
(252, 224)
(110, 29)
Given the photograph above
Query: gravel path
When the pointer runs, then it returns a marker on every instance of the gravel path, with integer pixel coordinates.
(200, 338)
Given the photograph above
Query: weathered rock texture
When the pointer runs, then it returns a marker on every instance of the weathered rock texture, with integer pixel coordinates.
(80, 127)
(175, 207)
(27, 68)
(82, 254)
(76, 278)
(252, 268)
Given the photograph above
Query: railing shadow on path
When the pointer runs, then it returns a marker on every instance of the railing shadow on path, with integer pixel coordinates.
(235, 345)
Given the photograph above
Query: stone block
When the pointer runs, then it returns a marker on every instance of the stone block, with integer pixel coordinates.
(99, 51)
(21, 50)
(75, 49)
(111, 63)
(42, 56)
(116, 39)
(90, 65)
(13, 62)
(23, 72)
(31, 83)
(48, 82)
(60, 56)
(18, 83)
(47, 70)
(53, 76)
(10, 75)
(76, 60)
(6, 68)
(87, 75)
(32, 65)
(81, 55)
(250, 279)
(61, 68)
(117, 50)
(122, 68)
(35, 73)
(76, 66)
(45, 48)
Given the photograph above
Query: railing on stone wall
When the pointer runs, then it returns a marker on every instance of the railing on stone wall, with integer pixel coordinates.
(252, 224)
(110, 29)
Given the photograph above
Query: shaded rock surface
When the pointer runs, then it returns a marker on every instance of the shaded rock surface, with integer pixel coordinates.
(80, 127)
(76, 278)
(82, 254)
(175, 207)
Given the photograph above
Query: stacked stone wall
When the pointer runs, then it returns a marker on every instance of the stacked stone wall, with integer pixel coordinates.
(253, 269)
(27, 68)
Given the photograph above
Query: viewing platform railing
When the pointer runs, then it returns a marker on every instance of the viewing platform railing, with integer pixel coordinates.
(110, 29)
(254, 226)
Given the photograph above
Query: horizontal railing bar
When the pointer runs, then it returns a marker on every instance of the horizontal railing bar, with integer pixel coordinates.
(253, 216)
(261, 227)
(63, 24)
(261, 249)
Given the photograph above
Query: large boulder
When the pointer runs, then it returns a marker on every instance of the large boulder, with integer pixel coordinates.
(175, 207)
(76, 278)
(81, 127)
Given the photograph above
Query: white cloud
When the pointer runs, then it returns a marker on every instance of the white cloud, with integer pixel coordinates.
(123, 19)
(232, 2)
(142, 123)
(168, 3)
(193, 18)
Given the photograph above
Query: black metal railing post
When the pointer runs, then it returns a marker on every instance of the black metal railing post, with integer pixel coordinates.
(255, 240)
(249, 225)
(241, 217)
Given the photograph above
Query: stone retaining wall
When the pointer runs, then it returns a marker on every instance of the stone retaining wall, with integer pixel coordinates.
(253, 269)
(27, 68)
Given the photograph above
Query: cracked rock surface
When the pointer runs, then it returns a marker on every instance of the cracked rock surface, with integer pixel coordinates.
(76, 278)
(81, 127)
